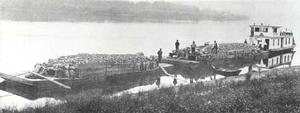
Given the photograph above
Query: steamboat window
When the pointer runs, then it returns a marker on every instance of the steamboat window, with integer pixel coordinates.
(265, 29)
(289, 40)
(256, 29)
(272, 62)
(277, 41)
(293, 41)
(275, 30)
(284, 59)
(273, 42)
(285, 40)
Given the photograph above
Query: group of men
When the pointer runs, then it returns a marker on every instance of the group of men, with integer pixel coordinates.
(193, 48)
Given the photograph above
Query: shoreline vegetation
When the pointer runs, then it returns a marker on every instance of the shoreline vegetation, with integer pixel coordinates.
(275, 92)
(109, 11)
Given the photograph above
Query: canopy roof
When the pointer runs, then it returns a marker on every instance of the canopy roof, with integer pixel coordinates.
(273, 26)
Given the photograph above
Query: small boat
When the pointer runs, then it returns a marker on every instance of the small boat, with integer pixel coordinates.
(225, 72)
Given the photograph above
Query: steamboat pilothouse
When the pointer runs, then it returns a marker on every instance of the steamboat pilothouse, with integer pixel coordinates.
(272, 38)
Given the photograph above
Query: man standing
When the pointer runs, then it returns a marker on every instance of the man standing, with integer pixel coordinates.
(159, 53)
(193, 46)
(216, 47)
(177, 45)
(245, 42)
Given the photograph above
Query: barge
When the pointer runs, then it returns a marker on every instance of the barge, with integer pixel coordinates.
(47, 82)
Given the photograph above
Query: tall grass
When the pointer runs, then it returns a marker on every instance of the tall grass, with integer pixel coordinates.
(274, 94)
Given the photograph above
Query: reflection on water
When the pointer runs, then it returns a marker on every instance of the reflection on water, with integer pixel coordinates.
(277, 60)
(273, 60)
(1, 80)
(165, 82)
(11, 101)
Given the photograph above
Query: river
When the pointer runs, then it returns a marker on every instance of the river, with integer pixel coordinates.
(22, 44)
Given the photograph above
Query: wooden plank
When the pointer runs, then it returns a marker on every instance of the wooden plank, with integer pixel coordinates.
(53, 81)
(15, 79)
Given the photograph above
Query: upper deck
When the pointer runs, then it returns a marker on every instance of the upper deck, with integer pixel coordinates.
(264, 30)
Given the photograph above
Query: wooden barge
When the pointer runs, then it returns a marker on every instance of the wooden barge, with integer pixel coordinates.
(91, 76)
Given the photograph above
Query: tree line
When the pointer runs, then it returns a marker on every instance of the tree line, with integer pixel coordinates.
(112, 11)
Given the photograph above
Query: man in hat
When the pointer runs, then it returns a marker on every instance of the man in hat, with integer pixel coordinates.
(159, 53)
(193, 47)
(177, 45)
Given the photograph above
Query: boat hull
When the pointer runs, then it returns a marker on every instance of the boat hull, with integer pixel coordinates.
(225, 73)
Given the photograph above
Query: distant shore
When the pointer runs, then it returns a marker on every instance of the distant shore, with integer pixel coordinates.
(109, 11)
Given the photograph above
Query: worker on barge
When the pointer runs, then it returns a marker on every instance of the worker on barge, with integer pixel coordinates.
(159, 53)
(177, 45)
(193, 47)
(215, 48)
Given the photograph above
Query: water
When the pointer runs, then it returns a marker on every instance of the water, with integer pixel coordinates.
(22, 44)
(11, 101)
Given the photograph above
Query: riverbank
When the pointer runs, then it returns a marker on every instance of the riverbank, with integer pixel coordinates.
(275, 92)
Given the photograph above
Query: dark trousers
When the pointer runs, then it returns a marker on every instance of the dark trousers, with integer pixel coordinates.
(159, 59)
(193, 50)
(214, 50)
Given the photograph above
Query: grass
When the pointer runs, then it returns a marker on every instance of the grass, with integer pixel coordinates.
(272, 94)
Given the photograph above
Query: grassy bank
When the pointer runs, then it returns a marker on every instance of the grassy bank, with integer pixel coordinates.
(274, 93)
